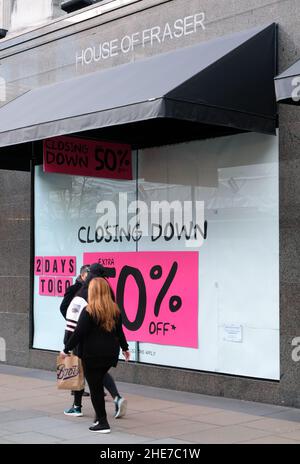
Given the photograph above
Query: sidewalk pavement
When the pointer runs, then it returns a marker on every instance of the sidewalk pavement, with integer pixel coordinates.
(31, 411)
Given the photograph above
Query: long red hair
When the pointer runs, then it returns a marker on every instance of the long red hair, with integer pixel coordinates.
(101, 306)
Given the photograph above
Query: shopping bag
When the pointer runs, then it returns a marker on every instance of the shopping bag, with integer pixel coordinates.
(69, 373)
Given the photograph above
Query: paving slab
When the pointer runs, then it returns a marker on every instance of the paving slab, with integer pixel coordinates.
(223, 435)
(272, 440)
(276, 425)
(30, 438)
(31, 411)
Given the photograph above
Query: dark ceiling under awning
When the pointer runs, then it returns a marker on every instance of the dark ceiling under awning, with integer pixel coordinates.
(287, 85)
(215, 88)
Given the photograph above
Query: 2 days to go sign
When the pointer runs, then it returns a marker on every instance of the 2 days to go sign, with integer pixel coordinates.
(91, 158)
(157, 293)
(55, 274)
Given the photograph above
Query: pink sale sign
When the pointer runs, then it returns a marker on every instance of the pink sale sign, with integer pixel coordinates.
(157, 293)
(83, 157)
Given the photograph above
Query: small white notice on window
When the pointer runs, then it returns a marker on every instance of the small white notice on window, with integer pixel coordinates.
(233, 333)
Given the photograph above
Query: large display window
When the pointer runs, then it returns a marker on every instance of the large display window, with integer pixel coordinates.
(196, 299)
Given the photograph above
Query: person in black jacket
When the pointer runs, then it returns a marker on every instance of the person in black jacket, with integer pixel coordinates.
(99, 335)
(77, 300)
(69, 295)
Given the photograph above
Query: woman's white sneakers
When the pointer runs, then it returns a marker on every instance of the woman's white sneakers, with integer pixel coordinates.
(121, 406)
(101, 426)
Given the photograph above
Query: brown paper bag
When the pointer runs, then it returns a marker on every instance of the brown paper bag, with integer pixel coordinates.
(69, 373)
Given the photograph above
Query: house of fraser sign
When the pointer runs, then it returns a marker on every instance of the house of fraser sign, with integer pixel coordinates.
(144, 38)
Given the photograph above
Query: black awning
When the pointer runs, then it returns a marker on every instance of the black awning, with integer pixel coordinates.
(225, 84)
(287, 85)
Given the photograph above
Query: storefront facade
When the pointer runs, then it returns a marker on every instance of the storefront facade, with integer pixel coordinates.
(216, 311)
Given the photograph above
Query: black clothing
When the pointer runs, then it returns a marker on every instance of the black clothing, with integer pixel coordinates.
(69, 295)
(94, 377)
(97, 346)
(78, 394)
(84, 289)
(97, 270)
(108, 383)
(99, 351)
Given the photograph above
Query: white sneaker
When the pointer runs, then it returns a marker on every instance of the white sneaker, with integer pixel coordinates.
(121, 407)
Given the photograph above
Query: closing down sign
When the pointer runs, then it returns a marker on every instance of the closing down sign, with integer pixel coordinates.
(83, 157)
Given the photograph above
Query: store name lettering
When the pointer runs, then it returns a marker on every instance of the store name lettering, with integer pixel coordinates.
(67, 373)
(147, 37)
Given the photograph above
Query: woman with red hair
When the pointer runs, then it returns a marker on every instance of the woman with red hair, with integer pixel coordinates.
(99, 335)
